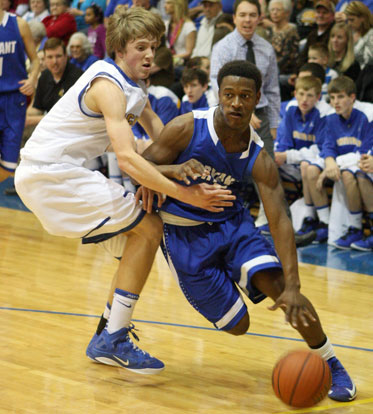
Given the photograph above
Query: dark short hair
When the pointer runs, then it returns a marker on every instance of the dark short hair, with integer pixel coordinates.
(54, 43)
(97, 11)
(342, 84)
(238, 2)
(316, 70)
(191, 74)
(243, 69)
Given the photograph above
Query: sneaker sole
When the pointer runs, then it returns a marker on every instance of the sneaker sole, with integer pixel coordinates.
(361, 249)
(339, 247)
(109, 361)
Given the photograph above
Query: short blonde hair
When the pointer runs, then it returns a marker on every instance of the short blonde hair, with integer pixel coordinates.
(307, 83)
(126, 25)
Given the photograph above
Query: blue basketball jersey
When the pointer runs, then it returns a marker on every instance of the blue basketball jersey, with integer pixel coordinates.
(348, 135)
(229, 169)
(12, 55)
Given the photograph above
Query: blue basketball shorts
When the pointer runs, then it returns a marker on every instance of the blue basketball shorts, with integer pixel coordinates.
(214, 262)
(12, 122)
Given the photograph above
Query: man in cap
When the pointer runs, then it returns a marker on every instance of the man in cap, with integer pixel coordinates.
(211, 11)
(325, 10)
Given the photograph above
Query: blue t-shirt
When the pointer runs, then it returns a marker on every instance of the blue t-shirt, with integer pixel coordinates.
(347, 135)
(85, 64)
(297, 133)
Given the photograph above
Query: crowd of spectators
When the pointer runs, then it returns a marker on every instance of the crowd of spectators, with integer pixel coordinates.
(281, 37)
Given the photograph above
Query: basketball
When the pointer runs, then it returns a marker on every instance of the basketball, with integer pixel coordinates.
(301, 379)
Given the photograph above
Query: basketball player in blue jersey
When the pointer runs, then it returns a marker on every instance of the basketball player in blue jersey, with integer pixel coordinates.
(215, 255)
(72, 201)
(15, 85)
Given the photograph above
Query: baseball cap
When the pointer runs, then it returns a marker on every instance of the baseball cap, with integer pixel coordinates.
(327, 4)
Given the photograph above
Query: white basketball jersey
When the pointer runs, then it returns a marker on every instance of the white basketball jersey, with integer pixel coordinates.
(71, 133)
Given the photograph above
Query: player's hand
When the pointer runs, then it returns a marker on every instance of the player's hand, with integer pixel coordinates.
(320, 181)
(280, 158)
(255, 121)
(191, 168)
(209, 197)
(295, 306)
(332, 172)
(147, 197)
(27, 88)
(366, 163)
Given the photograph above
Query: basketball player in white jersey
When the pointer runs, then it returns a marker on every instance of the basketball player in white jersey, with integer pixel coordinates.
(72, 201)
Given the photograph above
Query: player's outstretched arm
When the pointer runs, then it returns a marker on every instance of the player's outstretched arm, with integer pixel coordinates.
(107, 98)
(267, 179)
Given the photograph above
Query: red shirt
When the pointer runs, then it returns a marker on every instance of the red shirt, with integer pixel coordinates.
(62, 26)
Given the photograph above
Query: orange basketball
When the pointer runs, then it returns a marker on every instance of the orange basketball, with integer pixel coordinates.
(301, 379)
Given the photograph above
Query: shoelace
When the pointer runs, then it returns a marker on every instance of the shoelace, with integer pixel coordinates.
(131, 330)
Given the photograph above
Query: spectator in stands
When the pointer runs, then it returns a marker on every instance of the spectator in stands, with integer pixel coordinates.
(303, 133)
(39, 34)
(364, 84)
(320, 34)
(200, 62)
(181, 32)
(300, 141)
(80, 51)
(94, 17)
(78, 9)
(319, 53)
(365, 182)
(54, 82)
(304, 16)
(197, 93)
(223, 26)
(60, 23)
(360, 20)
(145, 4)
(39, 10)
(284, 38)
(205, 34)
(162, 70)
(8, 5)
(348, 134)
(341, 51)
(342, 4)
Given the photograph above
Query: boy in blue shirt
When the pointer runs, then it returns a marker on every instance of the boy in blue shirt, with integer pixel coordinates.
(348, 134)
(300, 139)
(197, 93)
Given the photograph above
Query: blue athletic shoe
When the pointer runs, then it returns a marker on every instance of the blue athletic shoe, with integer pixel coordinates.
(264, 229)
(118, 349)
(342, 389)
(365, 244)
(321, 233)
(353, 235)
(308, 225)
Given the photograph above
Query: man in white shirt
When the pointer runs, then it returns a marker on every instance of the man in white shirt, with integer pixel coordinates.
(211, 11)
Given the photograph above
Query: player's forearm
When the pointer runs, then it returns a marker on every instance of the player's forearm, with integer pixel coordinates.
(34, 71)
(148, 176)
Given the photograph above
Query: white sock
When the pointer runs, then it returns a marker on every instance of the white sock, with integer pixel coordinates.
(107, 311)
(355, 219)
(326, 351)
(121, 310)
(323, 214)
(309, 211)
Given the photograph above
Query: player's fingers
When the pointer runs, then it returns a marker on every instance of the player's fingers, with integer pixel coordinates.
(138, 195)
(215, 209)
(293, 316)
(309, 315)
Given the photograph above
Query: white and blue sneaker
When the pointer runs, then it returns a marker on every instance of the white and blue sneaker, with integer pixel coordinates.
(364, 245)
(353, 235)
(117, 349)
(342, 389)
